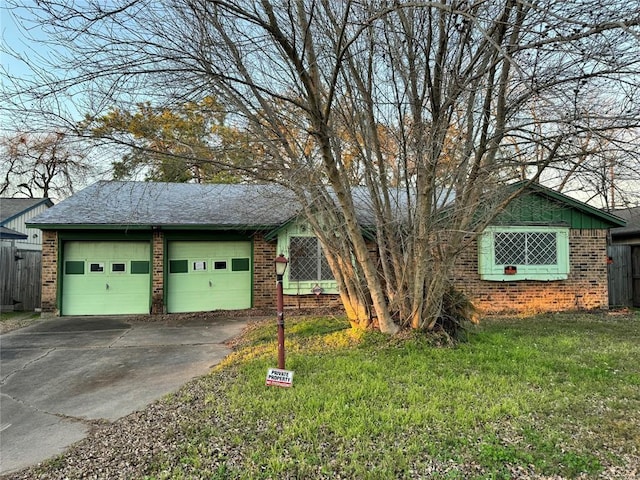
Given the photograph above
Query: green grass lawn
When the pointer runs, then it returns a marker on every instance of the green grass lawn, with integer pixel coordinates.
(548, 395)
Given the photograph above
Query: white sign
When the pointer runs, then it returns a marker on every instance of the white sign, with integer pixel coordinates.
(279, 378)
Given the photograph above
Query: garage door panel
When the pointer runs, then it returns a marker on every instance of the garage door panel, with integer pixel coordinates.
(106, 278)
(202, 276)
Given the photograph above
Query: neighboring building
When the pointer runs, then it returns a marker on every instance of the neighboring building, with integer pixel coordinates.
(14, 214)
(20, 253)
(133, 247)
(624, 252)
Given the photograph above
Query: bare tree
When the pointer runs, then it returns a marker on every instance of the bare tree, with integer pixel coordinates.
(37, 166)
(429, 106)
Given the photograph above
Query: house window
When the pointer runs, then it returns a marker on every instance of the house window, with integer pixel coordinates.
(306, 260)
(524, 253)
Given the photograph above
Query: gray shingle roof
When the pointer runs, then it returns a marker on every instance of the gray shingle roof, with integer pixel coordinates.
(9, 234)
(172, 204)
(632, 216)
(12, 207)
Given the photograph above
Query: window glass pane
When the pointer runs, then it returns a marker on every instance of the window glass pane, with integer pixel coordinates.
(178, 266)
(139, 267)
(199, 266)
(541, 248)
(303, 261)
(118, 267)
(239, 264)
(220, 265)
(96, 267)
(307, 262)
(510, 248)
(74, 268)
(325, 271)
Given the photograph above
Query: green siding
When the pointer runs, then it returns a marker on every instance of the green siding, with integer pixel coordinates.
(112, 287)
(536, 209)
(203, 287)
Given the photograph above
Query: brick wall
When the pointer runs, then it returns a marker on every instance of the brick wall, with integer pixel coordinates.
(157, 275)
(264, 281)
(585, 288)
(49, 302)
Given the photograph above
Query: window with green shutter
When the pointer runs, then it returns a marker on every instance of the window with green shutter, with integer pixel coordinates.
(524, 253)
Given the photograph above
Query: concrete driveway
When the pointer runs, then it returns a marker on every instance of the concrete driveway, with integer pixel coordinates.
(59, 376)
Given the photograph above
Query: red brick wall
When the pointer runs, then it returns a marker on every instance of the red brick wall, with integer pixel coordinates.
(264, 281)
(586, 287)
(49, 302)
(157, 275)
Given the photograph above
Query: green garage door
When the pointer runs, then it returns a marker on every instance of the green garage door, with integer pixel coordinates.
(106, 278)
(206, 276)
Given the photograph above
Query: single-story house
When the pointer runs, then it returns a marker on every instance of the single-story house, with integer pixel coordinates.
(137, 247)
(14, 215)
(624, 269)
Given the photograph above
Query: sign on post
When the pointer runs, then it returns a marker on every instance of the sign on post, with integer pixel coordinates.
(279, 378)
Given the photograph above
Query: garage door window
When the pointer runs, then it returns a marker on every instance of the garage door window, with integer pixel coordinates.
(74, 268)
(178, 266)
(139, 267)
(118, 267)
(96, 267)
(200, 266)
(239, 264)
(220, 265)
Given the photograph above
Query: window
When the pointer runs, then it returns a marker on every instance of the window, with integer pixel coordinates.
(200, 266)
(96, 267)
(240, 264)
(306, 260)
(524, 253)
(139, 267)
(118, 267)
(74, 267)
(220, 265)
(178, 266)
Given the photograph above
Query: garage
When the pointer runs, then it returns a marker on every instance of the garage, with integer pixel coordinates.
(205, 276)
(106, 278)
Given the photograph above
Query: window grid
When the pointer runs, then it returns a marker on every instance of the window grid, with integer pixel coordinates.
(307, 262)
(525, 248)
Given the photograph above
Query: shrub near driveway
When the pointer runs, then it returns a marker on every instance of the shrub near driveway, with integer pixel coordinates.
(555, 396)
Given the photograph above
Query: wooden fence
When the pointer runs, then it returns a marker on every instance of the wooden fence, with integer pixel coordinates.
(620, 276)
(20, 274)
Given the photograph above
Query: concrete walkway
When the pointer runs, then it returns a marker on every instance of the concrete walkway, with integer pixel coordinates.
(59, 376)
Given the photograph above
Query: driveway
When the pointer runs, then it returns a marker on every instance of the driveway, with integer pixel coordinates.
(60, 376)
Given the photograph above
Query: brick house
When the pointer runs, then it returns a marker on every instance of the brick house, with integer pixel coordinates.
(137, 247)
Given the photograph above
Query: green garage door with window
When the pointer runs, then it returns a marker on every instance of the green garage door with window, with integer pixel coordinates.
(106, 278)
(205, 276)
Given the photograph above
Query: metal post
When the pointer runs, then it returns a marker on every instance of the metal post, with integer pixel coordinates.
(280, 305)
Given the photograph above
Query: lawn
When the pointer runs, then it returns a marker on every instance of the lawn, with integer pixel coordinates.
(552, 396)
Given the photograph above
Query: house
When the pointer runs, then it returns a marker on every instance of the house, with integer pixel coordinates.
(14, 214)
(134, 247)
(20, 256)
(624, 253)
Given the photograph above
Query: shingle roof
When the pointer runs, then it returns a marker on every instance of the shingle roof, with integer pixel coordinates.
(172, 204)
(632, 216)
(12, 207)
(9, 234)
